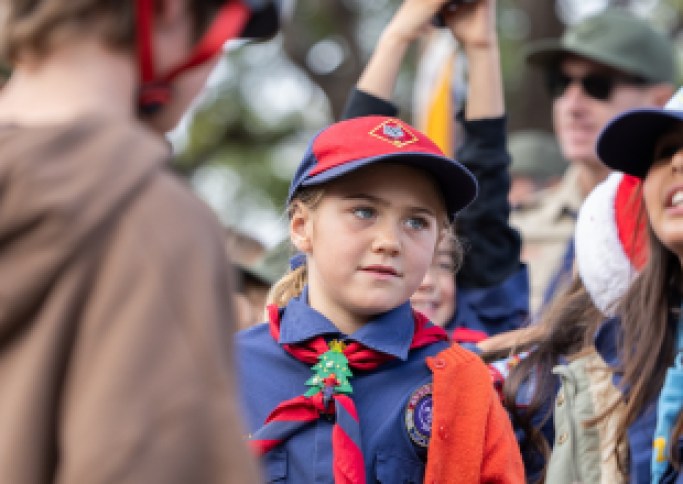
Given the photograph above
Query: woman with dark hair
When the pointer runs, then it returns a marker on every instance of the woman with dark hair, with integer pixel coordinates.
(645, 342)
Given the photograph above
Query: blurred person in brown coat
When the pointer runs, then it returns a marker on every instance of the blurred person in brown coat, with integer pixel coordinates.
(115, 361)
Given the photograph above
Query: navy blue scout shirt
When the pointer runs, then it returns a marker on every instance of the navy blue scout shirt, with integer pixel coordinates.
(493, 309)
(268, 376)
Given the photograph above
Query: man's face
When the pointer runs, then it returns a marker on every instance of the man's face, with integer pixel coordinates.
(579, 113)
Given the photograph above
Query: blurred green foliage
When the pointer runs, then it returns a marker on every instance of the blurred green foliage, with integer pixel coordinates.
(268, 99)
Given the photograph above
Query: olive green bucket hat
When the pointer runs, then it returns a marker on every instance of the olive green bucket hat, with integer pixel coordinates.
(535, 154)
(614, 38)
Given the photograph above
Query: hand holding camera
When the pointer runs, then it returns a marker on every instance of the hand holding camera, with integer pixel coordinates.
(472, 22)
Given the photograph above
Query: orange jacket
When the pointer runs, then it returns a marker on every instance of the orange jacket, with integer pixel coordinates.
(472, 439)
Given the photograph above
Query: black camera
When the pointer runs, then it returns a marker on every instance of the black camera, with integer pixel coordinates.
(439, 20)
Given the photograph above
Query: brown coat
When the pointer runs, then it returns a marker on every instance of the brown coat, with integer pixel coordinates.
(115, 326)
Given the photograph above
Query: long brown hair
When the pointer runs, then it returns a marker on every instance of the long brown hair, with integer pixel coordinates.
(568, 326)
(647, 338)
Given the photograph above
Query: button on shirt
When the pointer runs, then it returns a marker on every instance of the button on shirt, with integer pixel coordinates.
(268, 376)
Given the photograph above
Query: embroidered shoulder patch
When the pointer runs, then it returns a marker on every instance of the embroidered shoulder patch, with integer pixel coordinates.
(395, 133)
(418, 416)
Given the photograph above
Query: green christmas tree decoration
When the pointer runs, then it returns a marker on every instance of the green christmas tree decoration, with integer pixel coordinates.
(332, 369)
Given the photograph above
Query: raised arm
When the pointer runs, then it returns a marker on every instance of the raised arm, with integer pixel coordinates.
(474, 27)
(494, 246)
(375, 87)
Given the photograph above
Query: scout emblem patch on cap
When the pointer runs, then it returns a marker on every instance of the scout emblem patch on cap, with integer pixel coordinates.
(395, 133)
(419, 415)
(356, 143)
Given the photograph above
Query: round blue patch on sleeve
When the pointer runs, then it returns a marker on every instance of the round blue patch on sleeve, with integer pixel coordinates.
(418, 416)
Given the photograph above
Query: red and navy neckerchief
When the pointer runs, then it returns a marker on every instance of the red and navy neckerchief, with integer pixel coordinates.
(290, 416)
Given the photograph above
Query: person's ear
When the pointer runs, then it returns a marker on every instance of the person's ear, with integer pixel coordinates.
(660, 94)
(172, 34)
(446, 231)
(440, 236)
(301, 228)
(168, 13)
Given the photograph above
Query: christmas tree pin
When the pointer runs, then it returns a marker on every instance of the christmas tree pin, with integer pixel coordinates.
(331, 373)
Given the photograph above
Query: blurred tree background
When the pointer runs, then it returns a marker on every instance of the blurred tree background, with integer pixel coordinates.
(265, 100)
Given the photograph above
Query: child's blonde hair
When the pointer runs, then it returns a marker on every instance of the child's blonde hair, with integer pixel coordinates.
(293, 282)
(457, 252)
(37, 26)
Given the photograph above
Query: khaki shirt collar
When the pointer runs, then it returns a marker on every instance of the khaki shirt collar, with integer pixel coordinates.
(566, 198)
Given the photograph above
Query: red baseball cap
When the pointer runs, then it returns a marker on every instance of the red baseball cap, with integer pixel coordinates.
(354, 143)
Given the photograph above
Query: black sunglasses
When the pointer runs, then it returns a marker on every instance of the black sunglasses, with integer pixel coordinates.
(597, 86)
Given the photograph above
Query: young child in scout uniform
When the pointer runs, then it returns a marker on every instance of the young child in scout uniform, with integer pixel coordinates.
(346, 383)
(115, 353)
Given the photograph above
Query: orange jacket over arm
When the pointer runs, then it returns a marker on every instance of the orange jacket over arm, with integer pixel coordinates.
(472, 438)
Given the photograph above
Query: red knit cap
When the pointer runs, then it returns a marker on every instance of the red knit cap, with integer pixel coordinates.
(610, 238)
